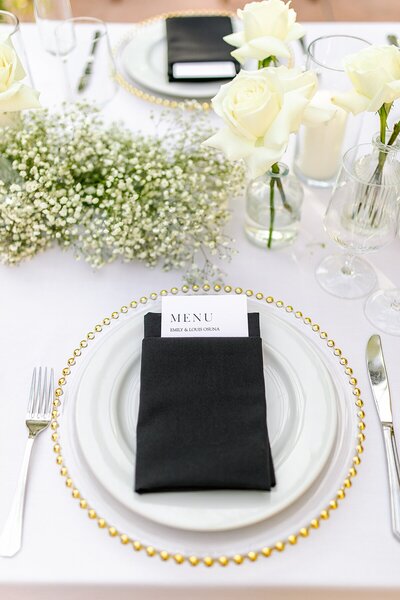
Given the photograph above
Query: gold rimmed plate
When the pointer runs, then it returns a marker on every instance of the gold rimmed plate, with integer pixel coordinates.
(342, 448)
(141, 58)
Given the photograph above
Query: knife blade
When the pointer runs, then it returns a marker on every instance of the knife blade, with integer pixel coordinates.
(87, 72)
(381, 393)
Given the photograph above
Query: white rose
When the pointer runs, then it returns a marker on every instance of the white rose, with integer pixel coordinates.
(14, 95)
(261, 109)
(268, 26)
(375, 75)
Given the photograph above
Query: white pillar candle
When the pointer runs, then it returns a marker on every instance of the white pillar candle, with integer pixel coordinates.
(320, 148)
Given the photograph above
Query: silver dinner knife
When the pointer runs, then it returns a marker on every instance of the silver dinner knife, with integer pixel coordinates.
(381, 393)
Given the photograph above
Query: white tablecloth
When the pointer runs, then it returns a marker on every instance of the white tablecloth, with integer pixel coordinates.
(46, 305)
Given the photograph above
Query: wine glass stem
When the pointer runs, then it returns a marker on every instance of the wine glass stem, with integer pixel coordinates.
(347, 268)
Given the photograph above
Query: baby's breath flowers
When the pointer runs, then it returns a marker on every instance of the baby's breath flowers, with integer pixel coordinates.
(111, 194)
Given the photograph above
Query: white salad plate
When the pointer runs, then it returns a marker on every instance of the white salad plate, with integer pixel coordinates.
(303, 406)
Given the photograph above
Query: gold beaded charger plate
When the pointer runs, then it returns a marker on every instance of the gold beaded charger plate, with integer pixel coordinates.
(302, 418)
(141, 59)
(295, 521)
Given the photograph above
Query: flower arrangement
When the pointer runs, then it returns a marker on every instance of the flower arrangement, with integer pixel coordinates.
(109, 194)
(262, 108)
(375, 76)
(374, 73)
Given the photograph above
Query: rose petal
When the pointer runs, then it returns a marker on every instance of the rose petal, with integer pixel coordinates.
(386, 95)
(261, 159)
(235, 39)
(268, 45)
(305, 82)
(260, 49)
(320, 109)
(295, 32)
(19, 97)
(288, 120)
(351, 101)
(233, 146)
(19, 72)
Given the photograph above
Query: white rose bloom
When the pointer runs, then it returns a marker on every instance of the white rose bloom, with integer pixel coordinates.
(14, 95)
(261, 109)
(268, 27)
(375, 75)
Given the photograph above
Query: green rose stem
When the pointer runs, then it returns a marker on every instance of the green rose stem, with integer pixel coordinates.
(262, 64)
(266, 62)
(378, 173)
(275, 181)
(271, 206)
(383, 117)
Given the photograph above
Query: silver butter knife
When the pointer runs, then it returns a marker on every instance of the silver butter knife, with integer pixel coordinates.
(381, 393)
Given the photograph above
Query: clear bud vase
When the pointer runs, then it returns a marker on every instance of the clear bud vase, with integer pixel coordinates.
(273, 208)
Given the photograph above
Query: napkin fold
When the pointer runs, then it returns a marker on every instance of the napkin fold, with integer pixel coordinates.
(195, 40)
(202, 415)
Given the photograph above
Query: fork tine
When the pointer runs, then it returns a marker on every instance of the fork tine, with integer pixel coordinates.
(36, 401)
(43, 394)
(50, 394)
(32, 392)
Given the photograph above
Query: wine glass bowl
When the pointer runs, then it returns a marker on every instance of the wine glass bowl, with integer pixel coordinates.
(362, 217)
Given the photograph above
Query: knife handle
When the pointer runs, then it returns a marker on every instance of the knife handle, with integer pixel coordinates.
(394, 476)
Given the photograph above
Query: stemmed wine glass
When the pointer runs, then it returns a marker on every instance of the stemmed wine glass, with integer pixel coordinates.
(49, 14)
(362, 217)
(88, 65)
(383, 310)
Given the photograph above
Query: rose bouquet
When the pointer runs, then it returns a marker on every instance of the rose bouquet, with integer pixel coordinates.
(375, 76)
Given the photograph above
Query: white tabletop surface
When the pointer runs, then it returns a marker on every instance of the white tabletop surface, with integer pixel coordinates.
(45, 307)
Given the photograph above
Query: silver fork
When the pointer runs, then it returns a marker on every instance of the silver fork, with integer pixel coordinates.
(37, 419)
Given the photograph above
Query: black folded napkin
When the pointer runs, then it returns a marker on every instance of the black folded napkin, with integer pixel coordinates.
(199, 40)
(202, 415)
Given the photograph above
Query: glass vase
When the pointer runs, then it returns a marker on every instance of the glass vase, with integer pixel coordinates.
(362, 217)
(10, 30)
(382, 308)
(320, 147)
(273, 208)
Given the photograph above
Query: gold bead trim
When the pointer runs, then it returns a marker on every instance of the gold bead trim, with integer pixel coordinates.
(209, 561)
(147, 96)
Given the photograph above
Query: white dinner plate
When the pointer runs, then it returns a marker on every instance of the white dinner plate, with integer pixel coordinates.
(144, 60)
(301, 413)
